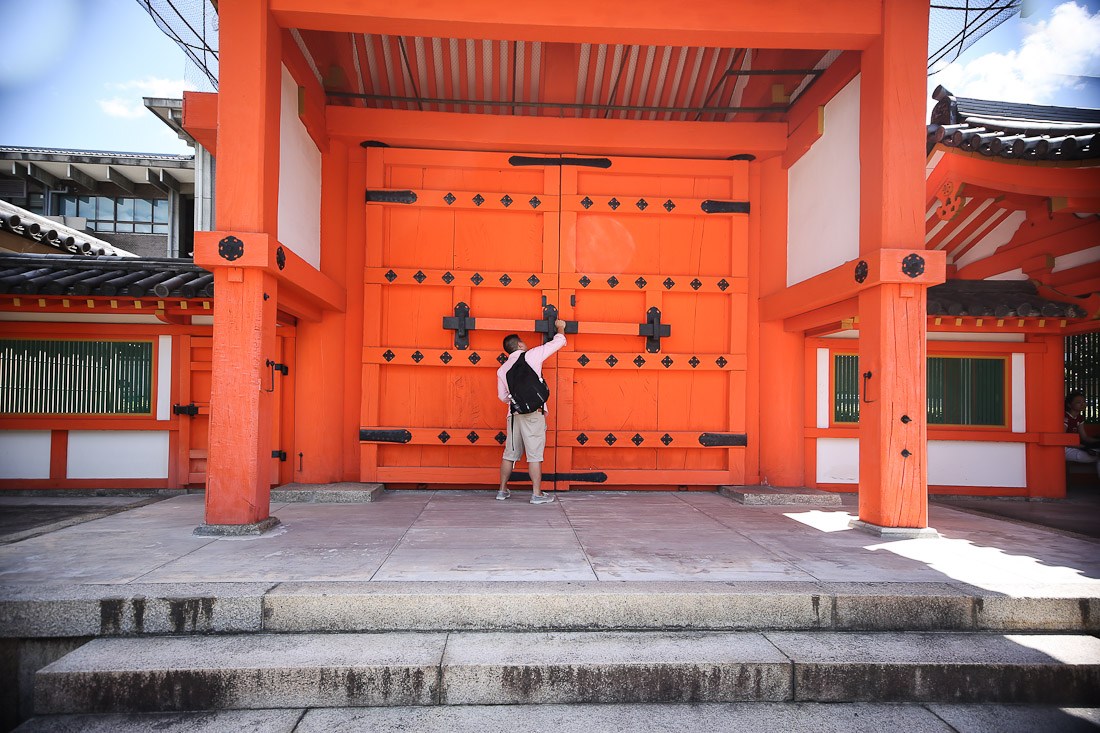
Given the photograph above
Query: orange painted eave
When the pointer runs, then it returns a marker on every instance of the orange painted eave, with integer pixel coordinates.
(1029, 178)
(841, 24)
(200, 118)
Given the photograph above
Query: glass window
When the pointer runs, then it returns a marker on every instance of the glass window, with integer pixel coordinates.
(143, 228)
(67, 205)
(961, 390)
(104, 226)
(160, 211)
(143, 210)
(125, 227)
(125, 210)
(43, 377)
(105, 207)
(85, 206)
(160, 229)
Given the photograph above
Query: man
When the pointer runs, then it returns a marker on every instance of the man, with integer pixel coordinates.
(526, 433)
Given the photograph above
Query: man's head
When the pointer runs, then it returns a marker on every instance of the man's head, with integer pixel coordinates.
(512, 342)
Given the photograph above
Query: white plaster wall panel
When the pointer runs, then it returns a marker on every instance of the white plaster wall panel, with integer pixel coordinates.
(838, 460)
(824, 393)
(1076, 259)
(976, 463)
(118, 454)
(823, 194)
(1017, 274)
(998, 236)
(299, 180)
(1019, 395)
(25, 454)
(976, 336)
(164, 377)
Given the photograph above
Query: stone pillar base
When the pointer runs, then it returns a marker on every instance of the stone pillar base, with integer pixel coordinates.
(895, 533)
(236, 530)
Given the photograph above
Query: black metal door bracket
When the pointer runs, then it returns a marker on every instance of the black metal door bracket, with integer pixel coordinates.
(461, 323)
(190, 410)
(281, 368)
(280, 454)
(653, 330)
(546, 325)
(522, 160)
(391, 197)
(724, 207)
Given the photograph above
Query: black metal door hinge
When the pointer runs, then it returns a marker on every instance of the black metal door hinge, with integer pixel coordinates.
(724, 207)
(522, 160)
(280, 454)
(391, 197)
(190, 410)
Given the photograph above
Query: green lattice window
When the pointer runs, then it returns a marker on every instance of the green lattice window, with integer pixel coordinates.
(961, 390)
(47, 377)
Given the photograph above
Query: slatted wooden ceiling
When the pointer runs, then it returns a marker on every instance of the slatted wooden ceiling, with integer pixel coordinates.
(514, 77)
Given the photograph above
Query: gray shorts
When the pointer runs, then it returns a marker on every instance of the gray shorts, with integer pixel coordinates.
(526, 434)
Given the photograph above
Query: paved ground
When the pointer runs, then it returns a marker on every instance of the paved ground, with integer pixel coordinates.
(1079, 512)
(599, 535)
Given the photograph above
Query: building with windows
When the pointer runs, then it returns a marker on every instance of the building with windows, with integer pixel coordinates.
(772, 269)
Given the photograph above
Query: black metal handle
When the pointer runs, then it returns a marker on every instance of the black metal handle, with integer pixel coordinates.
(866, 378)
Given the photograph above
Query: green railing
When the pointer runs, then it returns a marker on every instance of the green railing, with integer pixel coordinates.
(961, 390)
(45, 377)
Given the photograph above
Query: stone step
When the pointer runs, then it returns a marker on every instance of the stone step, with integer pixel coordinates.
(757, 717)
(257, 671)
(346, 492)
(138, 609)
(778, 495)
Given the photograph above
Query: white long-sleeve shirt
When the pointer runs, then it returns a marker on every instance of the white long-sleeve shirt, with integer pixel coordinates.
(535, 357)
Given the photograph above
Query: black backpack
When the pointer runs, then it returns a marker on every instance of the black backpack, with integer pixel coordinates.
(529, 391)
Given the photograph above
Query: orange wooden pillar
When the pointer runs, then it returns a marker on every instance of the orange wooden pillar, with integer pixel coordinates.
(1044, 392)
(893, 449)
(242, 410)
(781, 391)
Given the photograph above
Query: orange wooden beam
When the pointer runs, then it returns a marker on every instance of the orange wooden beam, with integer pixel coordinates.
(801, 138)
(884, 266)
(832, 317)
(842, 24)
(456, 131)
(1075, 205)
(261, 251)
(1050, 242)
(200, 118)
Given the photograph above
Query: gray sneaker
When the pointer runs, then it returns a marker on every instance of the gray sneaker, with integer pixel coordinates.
(502, 495)
(544, 499)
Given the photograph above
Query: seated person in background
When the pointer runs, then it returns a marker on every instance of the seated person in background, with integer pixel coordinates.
(1088, 451)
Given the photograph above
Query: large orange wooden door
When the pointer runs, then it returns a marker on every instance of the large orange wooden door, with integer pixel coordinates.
(458, 236)
(463, 248)
(652, 247)
(193, 409)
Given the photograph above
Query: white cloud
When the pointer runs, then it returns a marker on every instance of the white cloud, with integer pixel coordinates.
(1053, 56)
(152, 86)
(129, 105)
(118, 107)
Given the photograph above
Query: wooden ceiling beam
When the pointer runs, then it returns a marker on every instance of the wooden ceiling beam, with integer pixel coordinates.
(842, 24)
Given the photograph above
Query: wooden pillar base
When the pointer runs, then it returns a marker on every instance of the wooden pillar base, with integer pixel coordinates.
(236, 530)
(895, 533)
